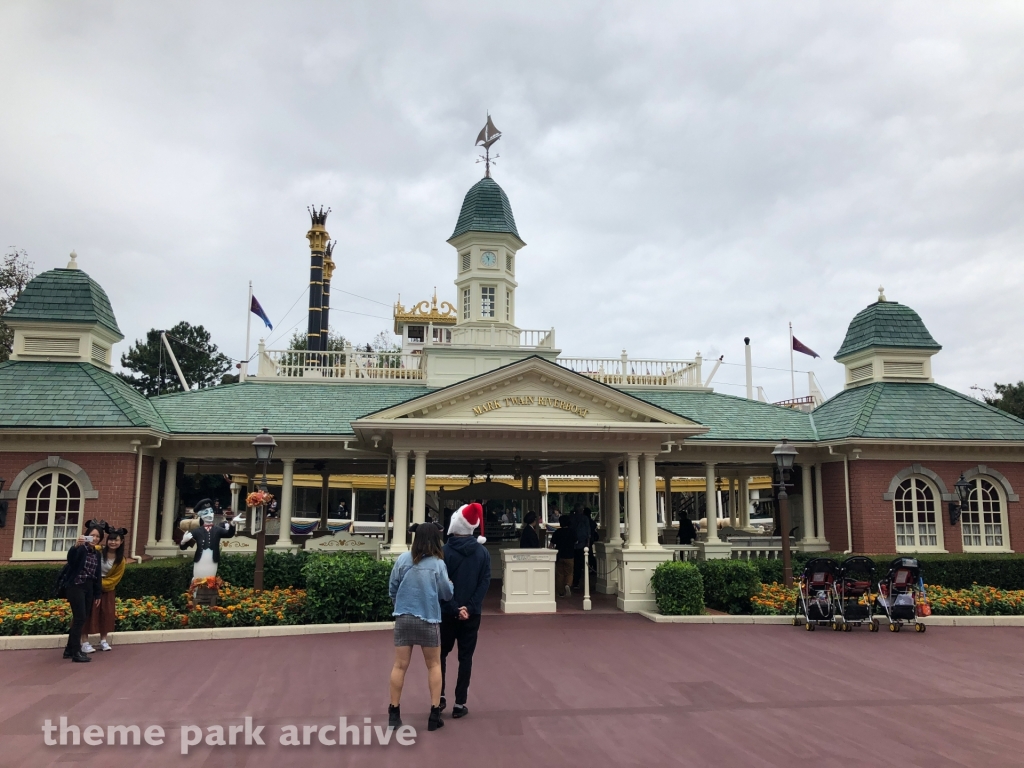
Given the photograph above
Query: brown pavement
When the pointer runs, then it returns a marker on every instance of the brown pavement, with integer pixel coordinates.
(564, 690)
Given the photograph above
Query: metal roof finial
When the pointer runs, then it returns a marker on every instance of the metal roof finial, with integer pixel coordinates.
(487, 136)
(881, 294)
(73, 264)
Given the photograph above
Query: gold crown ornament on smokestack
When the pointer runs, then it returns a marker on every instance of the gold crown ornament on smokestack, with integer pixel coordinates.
(318, 243)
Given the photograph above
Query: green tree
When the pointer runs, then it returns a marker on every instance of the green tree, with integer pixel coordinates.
(1007, 397)
(335, 341)
(201, 363)
(15, 272)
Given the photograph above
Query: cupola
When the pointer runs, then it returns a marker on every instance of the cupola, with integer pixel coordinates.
(64, 315)
(887, 341)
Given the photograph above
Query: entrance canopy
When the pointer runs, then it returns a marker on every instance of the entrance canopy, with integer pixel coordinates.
(532, 407)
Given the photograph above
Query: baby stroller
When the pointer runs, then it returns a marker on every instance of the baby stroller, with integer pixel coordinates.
(855, 606)
(817, 597)
(900, 592)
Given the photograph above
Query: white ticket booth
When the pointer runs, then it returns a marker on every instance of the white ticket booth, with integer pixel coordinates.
(528, 580)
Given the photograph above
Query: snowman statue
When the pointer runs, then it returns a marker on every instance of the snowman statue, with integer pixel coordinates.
(206, 538)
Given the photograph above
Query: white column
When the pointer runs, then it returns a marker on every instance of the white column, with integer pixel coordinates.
(643, 500)
(235, 488)
(634, 538)
(611, 469)
(170, 497)
(744, 501)
(650, 511)
(287, 495)
(819, 503)
(808, 500)
(154, 500)
(712, 501)
(401, 501)
(419, 488)
(602, 485)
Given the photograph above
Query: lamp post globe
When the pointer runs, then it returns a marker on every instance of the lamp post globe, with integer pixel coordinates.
(784, 454)
(264, 445)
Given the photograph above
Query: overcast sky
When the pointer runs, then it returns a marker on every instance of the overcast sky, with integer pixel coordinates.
(684, 174)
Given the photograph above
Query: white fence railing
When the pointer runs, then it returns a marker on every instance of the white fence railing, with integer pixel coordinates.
(501, 337)
(626, 371)
(288, 363)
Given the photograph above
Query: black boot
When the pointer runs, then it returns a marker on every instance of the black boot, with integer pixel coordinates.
(435, 720)
(394, 716)
(80, 657)
(460, 710)
(67, 653)
(443, 704)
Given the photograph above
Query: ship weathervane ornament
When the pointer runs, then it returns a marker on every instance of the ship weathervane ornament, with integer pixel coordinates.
(487, 137)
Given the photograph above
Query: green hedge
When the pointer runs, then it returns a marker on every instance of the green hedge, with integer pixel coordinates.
(167, 577)
(678, 589)
(346, 588)
(729, 584)
(952, 571)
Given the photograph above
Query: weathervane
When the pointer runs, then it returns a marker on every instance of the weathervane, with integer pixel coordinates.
(487, 137)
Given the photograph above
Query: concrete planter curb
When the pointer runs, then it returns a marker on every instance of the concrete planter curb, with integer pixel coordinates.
(931, 621)
(25, 642)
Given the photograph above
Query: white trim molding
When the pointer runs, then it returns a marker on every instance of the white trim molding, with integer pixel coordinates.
(52, 462)
(981, 469)
(917, 469)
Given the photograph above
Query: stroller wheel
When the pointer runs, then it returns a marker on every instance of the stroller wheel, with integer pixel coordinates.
(796, 622)
(847, 628)
(919, 627)
(894, 627)
(809, 626)
(873, 626)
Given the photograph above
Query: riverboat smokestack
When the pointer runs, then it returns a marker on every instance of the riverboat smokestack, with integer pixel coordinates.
(318, 240)
(325, 305)
(750, 368)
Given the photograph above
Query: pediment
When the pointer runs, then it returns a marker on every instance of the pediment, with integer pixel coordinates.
(531, 391)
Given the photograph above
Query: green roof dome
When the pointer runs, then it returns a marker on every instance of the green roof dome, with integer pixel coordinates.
(886, 324)
(485, 209)
(64, 296)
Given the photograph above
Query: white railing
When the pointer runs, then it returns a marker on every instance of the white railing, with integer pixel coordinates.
(685, 552)
(626, 371)
(288, 363)
(500, 337)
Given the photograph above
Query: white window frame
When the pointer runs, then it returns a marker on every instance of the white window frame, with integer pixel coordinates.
(467, 303)
(966, 518)
(937, 504)
(19, 526)
(488, 291)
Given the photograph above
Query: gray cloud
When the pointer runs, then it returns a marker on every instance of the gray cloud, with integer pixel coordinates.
(684, 174)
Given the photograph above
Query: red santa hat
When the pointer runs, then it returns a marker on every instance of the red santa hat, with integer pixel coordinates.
(466, 519)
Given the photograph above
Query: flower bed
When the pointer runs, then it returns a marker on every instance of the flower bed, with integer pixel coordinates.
(976, 601)
(238, 607)
(774, 600)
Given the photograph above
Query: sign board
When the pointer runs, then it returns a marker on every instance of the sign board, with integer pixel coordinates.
(256, 523)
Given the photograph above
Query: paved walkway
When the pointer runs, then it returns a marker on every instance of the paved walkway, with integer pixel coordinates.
(567, 690)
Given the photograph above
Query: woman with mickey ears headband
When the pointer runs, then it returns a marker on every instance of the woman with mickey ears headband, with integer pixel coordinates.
(104, 614)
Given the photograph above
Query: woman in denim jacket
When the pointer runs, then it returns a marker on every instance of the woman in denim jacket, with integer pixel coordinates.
(419, 584)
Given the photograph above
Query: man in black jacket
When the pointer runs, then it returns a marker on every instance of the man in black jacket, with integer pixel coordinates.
(469, 568)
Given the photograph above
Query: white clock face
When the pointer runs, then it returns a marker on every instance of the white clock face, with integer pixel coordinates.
(488, 259)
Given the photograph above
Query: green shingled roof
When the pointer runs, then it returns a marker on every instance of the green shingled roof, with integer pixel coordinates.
(64, 296)
(913, 411)
(284, 409)
(485, 209)
(48, 395)
(886, 324)
(729, 417)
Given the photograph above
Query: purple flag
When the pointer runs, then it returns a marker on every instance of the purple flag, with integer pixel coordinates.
(798, 346)
(257, 310)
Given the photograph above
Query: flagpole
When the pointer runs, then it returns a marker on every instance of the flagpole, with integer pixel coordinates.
(248, 322)
(792, 373)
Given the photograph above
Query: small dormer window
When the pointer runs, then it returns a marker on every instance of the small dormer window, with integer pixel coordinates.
(416, 333)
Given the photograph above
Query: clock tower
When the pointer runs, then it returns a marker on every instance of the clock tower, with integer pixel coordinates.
(486, 242)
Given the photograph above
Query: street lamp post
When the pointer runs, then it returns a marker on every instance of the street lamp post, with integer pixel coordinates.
(264, 445)
(963, 493)
(784, 454)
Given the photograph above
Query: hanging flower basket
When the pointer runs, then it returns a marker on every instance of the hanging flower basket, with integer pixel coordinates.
(258, 499)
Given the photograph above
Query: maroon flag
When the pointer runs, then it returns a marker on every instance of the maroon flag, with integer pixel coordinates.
(799, 346)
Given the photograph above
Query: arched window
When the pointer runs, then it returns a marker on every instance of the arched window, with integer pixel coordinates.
(917, 515)
(983, 521)
(50, 516)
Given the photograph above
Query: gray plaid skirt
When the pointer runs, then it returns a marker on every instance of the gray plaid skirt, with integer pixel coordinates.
(412, 630)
